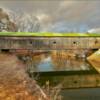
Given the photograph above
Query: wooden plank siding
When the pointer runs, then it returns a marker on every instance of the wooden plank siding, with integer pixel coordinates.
(49, 43)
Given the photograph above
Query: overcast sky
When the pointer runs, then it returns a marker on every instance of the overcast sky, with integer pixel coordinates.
(59, 15)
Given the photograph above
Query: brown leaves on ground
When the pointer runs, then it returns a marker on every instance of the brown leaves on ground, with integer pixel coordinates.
(14, 82)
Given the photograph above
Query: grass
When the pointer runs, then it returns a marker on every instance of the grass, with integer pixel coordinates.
(45, 34)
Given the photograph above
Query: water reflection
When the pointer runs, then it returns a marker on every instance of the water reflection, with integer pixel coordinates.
(58, 61)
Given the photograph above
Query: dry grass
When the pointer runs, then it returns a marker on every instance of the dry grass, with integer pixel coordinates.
(15, 83)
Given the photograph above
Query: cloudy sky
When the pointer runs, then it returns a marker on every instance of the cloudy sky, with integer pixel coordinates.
(59, 15)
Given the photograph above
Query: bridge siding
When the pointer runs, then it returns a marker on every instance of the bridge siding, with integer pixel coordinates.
(46, 43)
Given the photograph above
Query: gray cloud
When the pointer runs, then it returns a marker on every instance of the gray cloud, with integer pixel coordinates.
(59, 15)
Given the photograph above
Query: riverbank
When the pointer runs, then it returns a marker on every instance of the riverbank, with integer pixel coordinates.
(15, 83)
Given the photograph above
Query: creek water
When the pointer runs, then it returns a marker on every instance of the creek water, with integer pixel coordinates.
(57, 67)
(81, 94)
(58, 62)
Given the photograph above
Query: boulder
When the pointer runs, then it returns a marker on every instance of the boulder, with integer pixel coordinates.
(94, 59)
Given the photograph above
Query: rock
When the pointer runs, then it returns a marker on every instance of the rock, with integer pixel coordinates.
(94, 59)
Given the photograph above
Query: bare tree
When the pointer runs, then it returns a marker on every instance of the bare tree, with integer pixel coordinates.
(5, 23)
(26, 22)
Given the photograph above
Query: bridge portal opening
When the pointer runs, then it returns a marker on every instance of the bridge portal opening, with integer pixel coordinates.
(5, 50)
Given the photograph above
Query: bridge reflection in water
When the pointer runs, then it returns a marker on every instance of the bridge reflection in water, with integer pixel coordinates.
(60, 67)
(65, 68)
(59, 62)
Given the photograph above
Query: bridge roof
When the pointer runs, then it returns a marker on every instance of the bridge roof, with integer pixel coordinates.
(46, 34)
